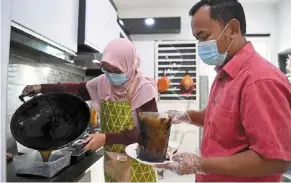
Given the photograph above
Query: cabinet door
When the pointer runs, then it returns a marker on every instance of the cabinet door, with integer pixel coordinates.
(97, 171)
(55, 20)
(101, 24)
(110, 26)
(113, 25)
(95, 32)
(85, 178)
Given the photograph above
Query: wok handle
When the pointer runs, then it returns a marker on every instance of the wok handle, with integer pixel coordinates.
(79, 145)
(83, 145)
(21, 97)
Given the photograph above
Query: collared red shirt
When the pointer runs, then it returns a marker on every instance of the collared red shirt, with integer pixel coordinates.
(248, 108)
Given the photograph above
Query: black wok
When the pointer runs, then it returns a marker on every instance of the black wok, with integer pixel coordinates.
(50, 121)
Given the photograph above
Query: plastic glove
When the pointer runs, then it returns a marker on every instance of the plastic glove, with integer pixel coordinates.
(184, 163)
(179, 116)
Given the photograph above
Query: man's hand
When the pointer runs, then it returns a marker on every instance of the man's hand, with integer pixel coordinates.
(184, 163)
(179, 116)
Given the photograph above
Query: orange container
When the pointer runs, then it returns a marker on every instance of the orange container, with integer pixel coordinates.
(94, 116)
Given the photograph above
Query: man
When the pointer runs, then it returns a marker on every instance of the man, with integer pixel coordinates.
(247, 122)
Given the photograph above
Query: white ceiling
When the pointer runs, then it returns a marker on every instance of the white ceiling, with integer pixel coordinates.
(133, 4)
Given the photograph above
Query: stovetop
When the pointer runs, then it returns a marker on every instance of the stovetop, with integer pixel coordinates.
(92, 130)
(75, 152)
(88, 131)
(78, 152)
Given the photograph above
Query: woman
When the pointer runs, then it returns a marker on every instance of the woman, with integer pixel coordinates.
(118, 95)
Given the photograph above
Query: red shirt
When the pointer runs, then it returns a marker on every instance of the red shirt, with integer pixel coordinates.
(248, 108)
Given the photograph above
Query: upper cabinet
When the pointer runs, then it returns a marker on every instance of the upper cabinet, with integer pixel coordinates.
(284, 22)
(54, 21)
(97, 24)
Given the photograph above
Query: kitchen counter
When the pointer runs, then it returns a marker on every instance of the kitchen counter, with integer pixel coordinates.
(69, 174)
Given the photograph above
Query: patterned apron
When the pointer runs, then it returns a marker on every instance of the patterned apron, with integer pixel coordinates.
(118, 167)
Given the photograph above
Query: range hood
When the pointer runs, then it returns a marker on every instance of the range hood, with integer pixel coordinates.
(88, 60)
(47, 53)
(23, 43)
(88, 56)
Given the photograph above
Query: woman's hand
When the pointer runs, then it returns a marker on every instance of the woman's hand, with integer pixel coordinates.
(184, 163)
(31, 90)
(95, 141)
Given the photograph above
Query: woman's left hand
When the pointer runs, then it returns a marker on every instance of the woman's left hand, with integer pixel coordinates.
(184, 163)
(95, 141)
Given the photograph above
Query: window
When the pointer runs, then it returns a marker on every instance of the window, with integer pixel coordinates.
(174, 59)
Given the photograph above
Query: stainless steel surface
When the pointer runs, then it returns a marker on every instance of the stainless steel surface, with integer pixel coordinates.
(29, 40)
(34, 44)
(28, 31)
(77, 147)
(88, 60)
(79, 144)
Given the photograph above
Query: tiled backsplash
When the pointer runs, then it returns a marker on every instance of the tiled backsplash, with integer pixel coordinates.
(24, 71)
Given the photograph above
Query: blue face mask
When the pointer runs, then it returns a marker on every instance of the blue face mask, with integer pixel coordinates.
(209, 54)
(116, 79)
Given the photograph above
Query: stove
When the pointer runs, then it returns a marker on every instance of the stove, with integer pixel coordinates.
(77, 155)
(77, 147)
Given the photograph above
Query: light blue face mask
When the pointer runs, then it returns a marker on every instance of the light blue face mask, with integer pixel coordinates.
(116, 79)
(209, 54)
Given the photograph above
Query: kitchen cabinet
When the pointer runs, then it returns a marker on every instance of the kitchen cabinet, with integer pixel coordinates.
(84, 178)
(97, 171)
(5, 42)
(52, 21)
(100, 24)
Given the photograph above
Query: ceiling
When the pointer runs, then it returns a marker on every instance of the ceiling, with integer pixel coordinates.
(130, 4)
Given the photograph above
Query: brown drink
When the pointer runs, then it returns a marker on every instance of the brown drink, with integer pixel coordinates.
(45, 155)
(154, 136)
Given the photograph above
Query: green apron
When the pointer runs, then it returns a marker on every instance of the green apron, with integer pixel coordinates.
(118, 167)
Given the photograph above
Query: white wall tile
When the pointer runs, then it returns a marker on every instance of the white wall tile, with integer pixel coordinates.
(22, 72)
